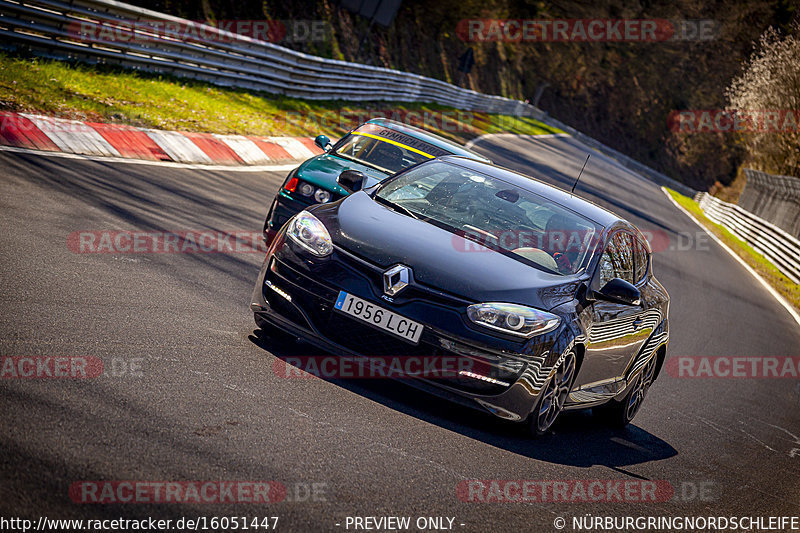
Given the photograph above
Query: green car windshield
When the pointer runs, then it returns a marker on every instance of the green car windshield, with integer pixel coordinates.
(385, 149)
(486, 213)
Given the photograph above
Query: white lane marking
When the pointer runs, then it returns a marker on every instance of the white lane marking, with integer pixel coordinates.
(476, 140)
(709, 423)
(728, 430)
(335, 427)
(759, 441)
(169, 164)
(178, 147)
(244, 148)
(781, 300)
(795, 438)
(73, 136)
(295, 148)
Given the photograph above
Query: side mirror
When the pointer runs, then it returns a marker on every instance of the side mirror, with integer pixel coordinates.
(619, 290)
(351, 180)
(323, 142)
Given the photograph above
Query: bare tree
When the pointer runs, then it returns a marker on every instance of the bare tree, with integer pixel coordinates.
(770, 83)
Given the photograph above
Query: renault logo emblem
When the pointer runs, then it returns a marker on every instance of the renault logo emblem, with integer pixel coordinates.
(396, 279)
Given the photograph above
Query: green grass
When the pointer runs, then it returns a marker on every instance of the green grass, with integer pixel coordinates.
(786, 287)
(105, 94)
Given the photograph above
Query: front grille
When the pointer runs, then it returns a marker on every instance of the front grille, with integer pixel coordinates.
(367, 340)
(316, 302)
(302, 281)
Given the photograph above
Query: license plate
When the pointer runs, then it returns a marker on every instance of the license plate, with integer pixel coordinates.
(379, 317)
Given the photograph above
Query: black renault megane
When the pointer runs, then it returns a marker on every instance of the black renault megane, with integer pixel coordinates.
(548, 300)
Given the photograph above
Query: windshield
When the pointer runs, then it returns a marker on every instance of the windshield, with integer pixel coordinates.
(491, 214)
(385, 149)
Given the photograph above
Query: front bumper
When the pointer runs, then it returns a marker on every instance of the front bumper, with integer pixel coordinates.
(519, 369)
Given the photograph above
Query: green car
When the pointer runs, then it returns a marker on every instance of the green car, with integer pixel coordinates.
(378, 148)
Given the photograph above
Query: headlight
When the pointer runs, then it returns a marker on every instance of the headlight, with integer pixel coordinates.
(306, 189)
(307, 231)
(512, 318)
(303, 188)
(322, 196)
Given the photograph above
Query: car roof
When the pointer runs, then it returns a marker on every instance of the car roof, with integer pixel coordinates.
(431, 138)
(592, 211)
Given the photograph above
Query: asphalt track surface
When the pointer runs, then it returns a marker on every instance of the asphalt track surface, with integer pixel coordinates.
(207, 405)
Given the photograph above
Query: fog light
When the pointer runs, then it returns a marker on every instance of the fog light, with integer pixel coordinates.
(487, 379)
(280, 292)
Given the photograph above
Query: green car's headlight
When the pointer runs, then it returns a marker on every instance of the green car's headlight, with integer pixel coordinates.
(512, 318)
(306, 189)
(322, 196)
(310, 234)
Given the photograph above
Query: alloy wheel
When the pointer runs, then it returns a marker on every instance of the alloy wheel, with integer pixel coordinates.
(642, 386)
(555, 394)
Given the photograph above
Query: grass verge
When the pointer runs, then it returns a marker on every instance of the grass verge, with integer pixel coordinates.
(786, 287)
(107, 94)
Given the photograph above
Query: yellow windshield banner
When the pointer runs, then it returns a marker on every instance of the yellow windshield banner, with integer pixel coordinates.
(390, 141)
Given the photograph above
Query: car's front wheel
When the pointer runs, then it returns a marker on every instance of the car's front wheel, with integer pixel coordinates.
(620, 413)
(554, 396)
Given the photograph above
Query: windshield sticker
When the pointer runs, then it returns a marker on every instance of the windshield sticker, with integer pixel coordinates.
(402, 140)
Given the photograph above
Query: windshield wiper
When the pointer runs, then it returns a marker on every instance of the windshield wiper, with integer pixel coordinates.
(396, 207)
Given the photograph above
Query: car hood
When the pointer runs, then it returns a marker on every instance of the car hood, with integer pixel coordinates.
(323, 170)
(438, 258)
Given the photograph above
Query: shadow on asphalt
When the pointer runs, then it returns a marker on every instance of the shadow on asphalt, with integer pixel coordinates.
(111, 196)
(578, 438)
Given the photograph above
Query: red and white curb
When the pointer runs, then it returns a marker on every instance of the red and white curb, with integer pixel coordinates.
(49, 134)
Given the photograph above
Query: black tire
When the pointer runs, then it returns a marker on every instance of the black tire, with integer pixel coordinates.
(620, 413)
(553, 396)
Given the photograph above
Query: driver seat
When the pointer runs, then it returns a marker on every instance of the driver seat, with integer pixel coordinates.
(388, 156)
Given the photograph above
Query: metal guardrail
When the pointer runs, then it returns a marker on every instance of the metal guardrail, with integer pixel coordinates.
(773, 198)
(766, 238)
(53, 28)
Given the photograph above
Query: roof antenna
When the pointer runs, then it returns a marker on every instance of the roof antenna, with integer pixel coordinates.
(580, 173)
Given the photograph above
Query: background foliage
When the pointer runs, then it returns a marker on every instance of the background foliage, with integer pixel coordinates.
(619, 93)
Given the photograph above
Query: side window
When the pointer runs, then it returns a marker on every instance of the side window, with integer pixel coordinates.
(642, 260)
(617, 260)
